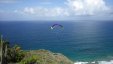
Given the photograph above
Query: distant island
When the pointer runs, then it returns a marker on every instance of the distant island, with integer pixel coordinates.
(15, 55)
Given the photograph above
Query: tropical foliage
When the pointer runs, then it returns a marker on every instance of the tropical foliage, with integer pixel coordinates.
(14, 54)
(10, 54)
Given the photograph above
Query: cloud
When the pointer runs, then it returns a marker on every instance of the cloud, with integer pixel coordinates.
(73, 9)
(46, 12)
(29, 10)
(87, 7)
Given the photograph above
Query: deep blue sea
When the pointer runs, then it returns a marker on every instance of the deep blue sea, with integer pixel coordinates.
(80, 41)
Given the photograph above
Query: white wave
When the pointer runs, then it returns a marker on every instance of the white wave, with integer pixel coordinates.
(81, 63)
(106, 62)
(96, 62)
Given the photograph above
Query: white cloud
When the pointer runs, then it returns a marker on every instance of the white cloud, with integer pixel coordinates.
(72, 7)
(29, 10)
(87, 7)
(43, 12)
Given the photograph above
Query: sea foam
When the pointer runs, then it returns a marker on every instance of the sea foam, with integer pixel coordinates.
(96, 62)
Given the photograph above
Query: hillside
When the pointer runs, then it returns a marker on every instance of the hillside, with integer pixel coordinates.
(44, 57)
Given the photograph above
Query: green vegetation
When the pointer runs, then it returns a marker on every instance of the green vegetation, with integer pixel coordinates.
(30, 60)
(44, 57)
(10, 54)
(16, 55)
(3, 51)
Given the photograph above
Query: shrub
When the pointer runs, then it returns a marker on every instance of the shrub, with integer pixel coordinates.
(30, 60)
(15, 54)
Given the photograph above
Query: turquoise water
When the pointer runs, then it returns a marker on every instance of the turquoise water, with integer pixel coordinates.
(79, 41)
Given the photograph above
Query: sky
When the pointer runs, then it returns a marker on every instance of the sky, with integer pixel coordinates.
(11, 10)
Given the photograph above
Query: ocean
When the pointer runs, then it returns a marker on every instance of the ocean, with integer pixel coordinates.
(84, 42)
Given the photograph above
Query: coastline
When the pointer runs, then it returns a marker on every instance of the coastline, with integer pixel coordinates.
(47, 57)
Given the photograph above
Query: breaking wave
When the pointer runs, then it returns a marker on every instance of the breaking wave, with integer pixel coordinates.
(95, 62)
